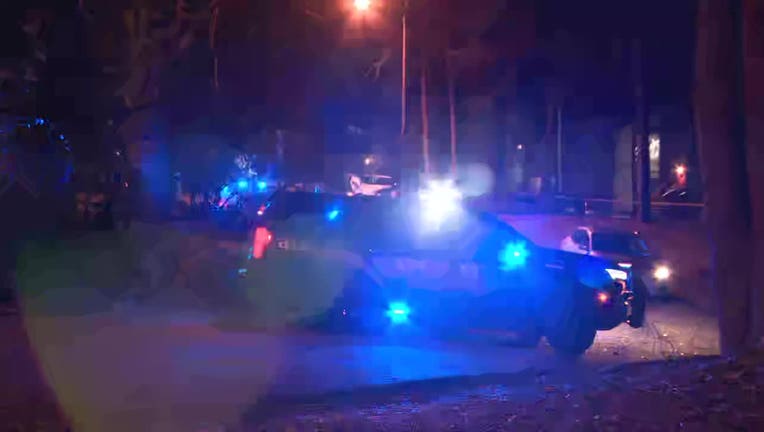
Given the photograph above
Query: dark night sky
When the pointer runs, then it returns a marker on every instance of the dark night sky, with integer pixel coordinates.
(667, 28)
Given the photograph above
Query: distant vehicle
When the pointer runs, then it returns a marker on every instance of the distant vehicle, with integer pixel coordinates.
(628, 249)
(678, 202)
(431, 265)
(371, 185)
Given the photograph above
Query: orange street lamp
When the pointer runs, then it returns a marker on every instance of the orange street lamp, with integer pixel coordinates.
(362, 5)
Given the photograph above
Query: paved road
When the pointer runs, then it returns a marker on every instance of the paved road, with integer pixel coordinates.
(127, 370)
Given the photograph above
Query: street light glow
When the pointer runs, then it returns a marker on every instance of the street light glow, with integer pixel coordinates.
(362, 5)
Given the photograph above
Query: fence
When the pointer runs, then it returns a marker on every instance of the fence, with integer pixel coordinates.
(572, 205)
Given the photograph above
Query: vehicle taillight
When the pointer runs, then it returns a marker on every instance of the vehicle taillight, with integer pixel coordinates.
(262, 239)
(261, 210)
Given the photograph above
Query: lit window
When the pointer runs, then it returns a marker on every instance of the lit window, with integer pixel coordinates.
(655, 156)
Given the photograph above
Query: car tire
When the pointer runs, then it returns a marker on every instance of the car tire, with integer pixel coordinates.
(346, 315)
(573, 339)
(573, 330)
(638, 304)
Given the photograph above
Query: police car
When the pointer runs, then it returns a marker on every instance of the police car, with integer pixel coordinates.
(433, 266)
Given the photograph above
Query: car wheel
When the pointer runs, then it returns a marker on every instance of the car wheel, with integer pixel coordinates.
(573, 330)
(572, 339)
(638, 305)
(353, 311)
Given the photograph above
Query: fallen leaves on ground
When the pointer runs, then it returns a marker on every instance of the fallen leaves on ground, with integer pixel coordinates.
(696, 394)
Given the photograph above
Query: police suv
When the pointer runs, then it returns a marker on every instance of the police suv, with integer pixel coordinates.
(427, 263)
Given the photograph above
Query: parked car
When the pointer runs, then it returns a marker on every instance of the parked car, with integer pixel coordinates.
(371, 185)
(628, 249)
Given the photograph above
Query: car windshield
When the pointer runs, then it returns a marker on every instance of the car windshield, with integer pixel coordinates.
(628, 244)
(385, 181)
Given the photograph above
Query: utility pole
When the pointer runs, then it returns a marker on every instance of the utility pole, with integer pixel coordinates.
(559, 149)
(425, 120)
(641, 131)
(404, 67)
(451, 111)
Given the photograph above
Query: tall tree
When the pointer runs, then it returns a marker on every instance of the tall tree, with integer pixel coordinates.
(729, 129)
(753, 63)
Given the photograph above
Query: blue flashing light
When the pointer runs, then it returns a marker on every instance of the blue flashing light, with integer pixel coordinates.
(261, 185)
(61, 137)
(39, 121)
(513, 256)
(332, 215)
(243, 184)
(225, 192)
(398, 312)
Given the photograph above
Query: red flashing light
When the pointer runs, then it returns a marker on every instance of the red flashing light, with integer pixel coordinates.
(603, 297)
(262, 239)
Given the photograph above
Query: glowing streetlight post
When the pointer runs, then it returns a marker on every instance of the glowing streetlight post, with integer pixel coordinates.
(363, 6)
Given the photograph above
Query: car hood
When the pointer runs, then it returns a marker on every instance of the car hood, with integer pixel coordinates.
(637, 261)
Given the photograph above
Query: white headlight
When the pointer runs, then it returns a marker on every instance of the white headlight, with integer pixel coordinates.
(440, 200)
(662, 272)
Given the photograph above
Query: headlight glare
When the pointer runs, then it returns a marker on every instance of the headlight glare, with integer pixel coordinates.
(662, 273)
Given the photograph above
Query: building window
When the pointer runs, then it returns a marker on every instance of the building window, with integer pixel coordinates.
(655, 156)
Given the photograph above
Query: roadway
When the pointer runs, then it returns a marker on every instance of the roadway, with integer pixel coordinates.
(185, 362)
(137, 369)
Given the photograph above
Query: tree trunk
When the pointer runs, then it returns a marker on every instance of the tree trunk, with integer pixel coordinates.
(753, 51)
(641, 131)
(425, 122)
(722, 157)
